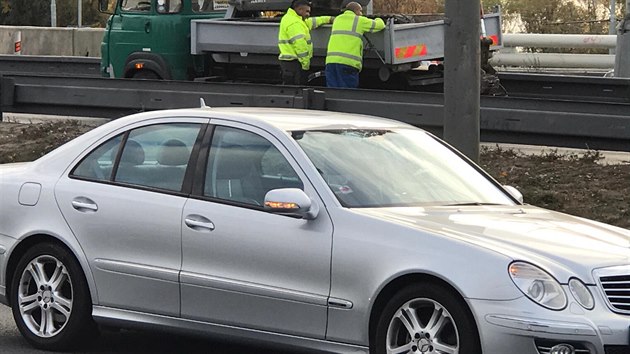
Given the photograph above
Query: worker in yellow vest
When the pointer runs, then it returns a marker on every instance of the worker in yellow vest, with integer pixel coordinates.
(294, 41)
(345, 47)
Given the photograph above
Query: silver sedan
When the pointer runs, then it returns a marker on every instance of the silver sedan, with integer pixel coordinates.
(304, 229)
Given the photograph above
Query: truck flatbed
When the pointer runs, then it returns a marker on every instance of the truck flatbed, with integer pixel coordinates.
(400, 45)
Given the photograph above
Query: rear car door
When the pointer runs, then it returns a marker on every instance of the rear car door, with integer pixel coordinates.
(123, 201)
(243, 266)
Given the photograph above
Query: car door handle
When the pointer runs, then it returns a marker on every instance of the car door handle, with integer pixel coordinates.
(194, 223)
(147, 26)
(84, 204)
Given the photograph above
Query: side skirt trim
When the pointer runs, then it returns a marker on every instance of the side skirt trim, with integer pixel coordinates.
(126, 318)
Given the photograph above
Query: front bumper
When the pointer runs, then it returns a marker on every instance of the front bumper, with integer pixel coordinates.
(522, 327)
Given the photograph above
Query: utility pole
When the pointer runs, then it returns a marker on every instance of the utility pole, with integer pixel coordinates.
(622, 59)
(53, 13)
(462, 76)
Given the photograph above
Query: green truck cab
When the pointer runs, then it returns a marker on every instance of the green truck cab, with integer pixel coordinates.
(150, 39)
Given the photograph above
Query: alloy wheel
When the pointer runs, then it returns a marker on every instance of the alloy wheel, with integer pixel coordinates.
(45, 296)
(422, 326)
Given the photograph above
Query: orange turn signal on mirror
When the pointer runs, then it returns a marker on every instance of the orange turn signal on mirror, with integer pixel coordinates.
(139, 66)
(281, 205)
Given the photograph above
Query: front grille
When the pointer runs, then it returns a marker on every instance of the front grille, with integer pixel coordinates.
(617, 290)
(615, 284)
(616, 349)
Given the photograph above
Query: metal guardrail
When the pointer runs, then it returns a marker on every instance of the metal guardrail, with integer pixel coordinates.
(516, 84)
(59, 65)
(527, 120)
(566, 87)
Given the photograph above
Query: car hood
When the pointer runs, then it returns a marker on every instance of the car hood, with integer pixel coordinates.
(564, 245)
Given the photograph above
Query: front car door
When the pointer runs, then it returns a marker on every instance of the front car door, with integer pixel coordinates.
(123, 201)
(243, 266)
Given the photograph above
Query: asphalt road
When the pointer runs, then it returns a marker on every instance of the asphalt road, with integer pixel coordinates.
(124, 341)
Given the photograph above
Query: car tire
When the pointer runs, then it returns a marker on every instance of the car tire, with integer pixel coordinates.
(439, 319)
(50, 299)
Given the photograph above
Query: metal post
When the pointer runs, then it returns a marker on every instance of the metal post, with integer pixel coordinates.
(17, 43)
(462, 76)
(79, 12)
(613, 17)
(613, 22)
(622, 57)
(53, 13)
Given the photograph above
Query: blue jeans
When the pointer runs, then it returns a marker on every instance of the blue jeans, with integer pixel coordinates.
(343, 76)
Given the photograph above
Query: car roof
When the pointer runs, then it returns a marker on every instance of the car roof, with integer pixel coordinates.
(287, 119)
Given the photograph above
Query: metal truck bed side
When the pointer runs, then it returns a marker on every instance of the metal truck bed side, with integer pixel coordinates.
(398, 44)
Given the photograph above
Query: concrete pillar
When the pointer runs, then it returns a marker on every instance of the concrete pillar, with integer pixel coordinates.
(462, 76)
(622, 58)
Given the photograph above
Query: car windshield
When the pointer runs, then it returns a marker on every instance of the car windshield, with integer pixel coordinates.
(395, 168)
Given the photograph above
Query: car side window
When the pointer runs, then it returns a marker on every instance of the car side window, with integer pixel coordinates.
(243, 167)
(98, 164)
(157, 156)
(136, 5)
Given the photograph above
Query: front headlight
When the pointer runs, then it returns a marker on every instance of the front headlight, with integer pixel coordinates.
(581, 293)
(538, 285)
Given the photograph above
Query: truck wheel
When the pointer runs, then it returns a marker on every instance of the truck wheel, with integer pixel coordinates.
(146, 75)
(425, 318)
(50, 299)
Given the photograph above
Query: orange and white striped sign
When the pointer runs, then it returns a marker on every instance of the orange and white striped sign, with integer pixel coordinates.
(411, 51)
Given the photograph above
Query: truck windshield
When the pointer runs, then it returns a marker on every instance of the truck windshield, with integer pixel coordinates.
(395, 168)
(136, 5)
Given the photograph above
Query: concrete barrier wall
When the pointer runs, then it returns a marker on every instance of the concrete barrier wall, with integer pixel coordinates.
(52, 41)
(87, 42)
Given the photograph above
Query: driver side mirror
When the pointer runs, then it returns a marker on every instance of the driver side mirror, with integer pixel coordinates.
(514, 193)
(291, 202)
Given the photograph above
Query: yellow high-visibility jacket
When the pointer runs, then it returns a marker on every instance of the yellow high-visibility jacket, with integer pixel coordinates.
(294, 37)
(346, 39)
